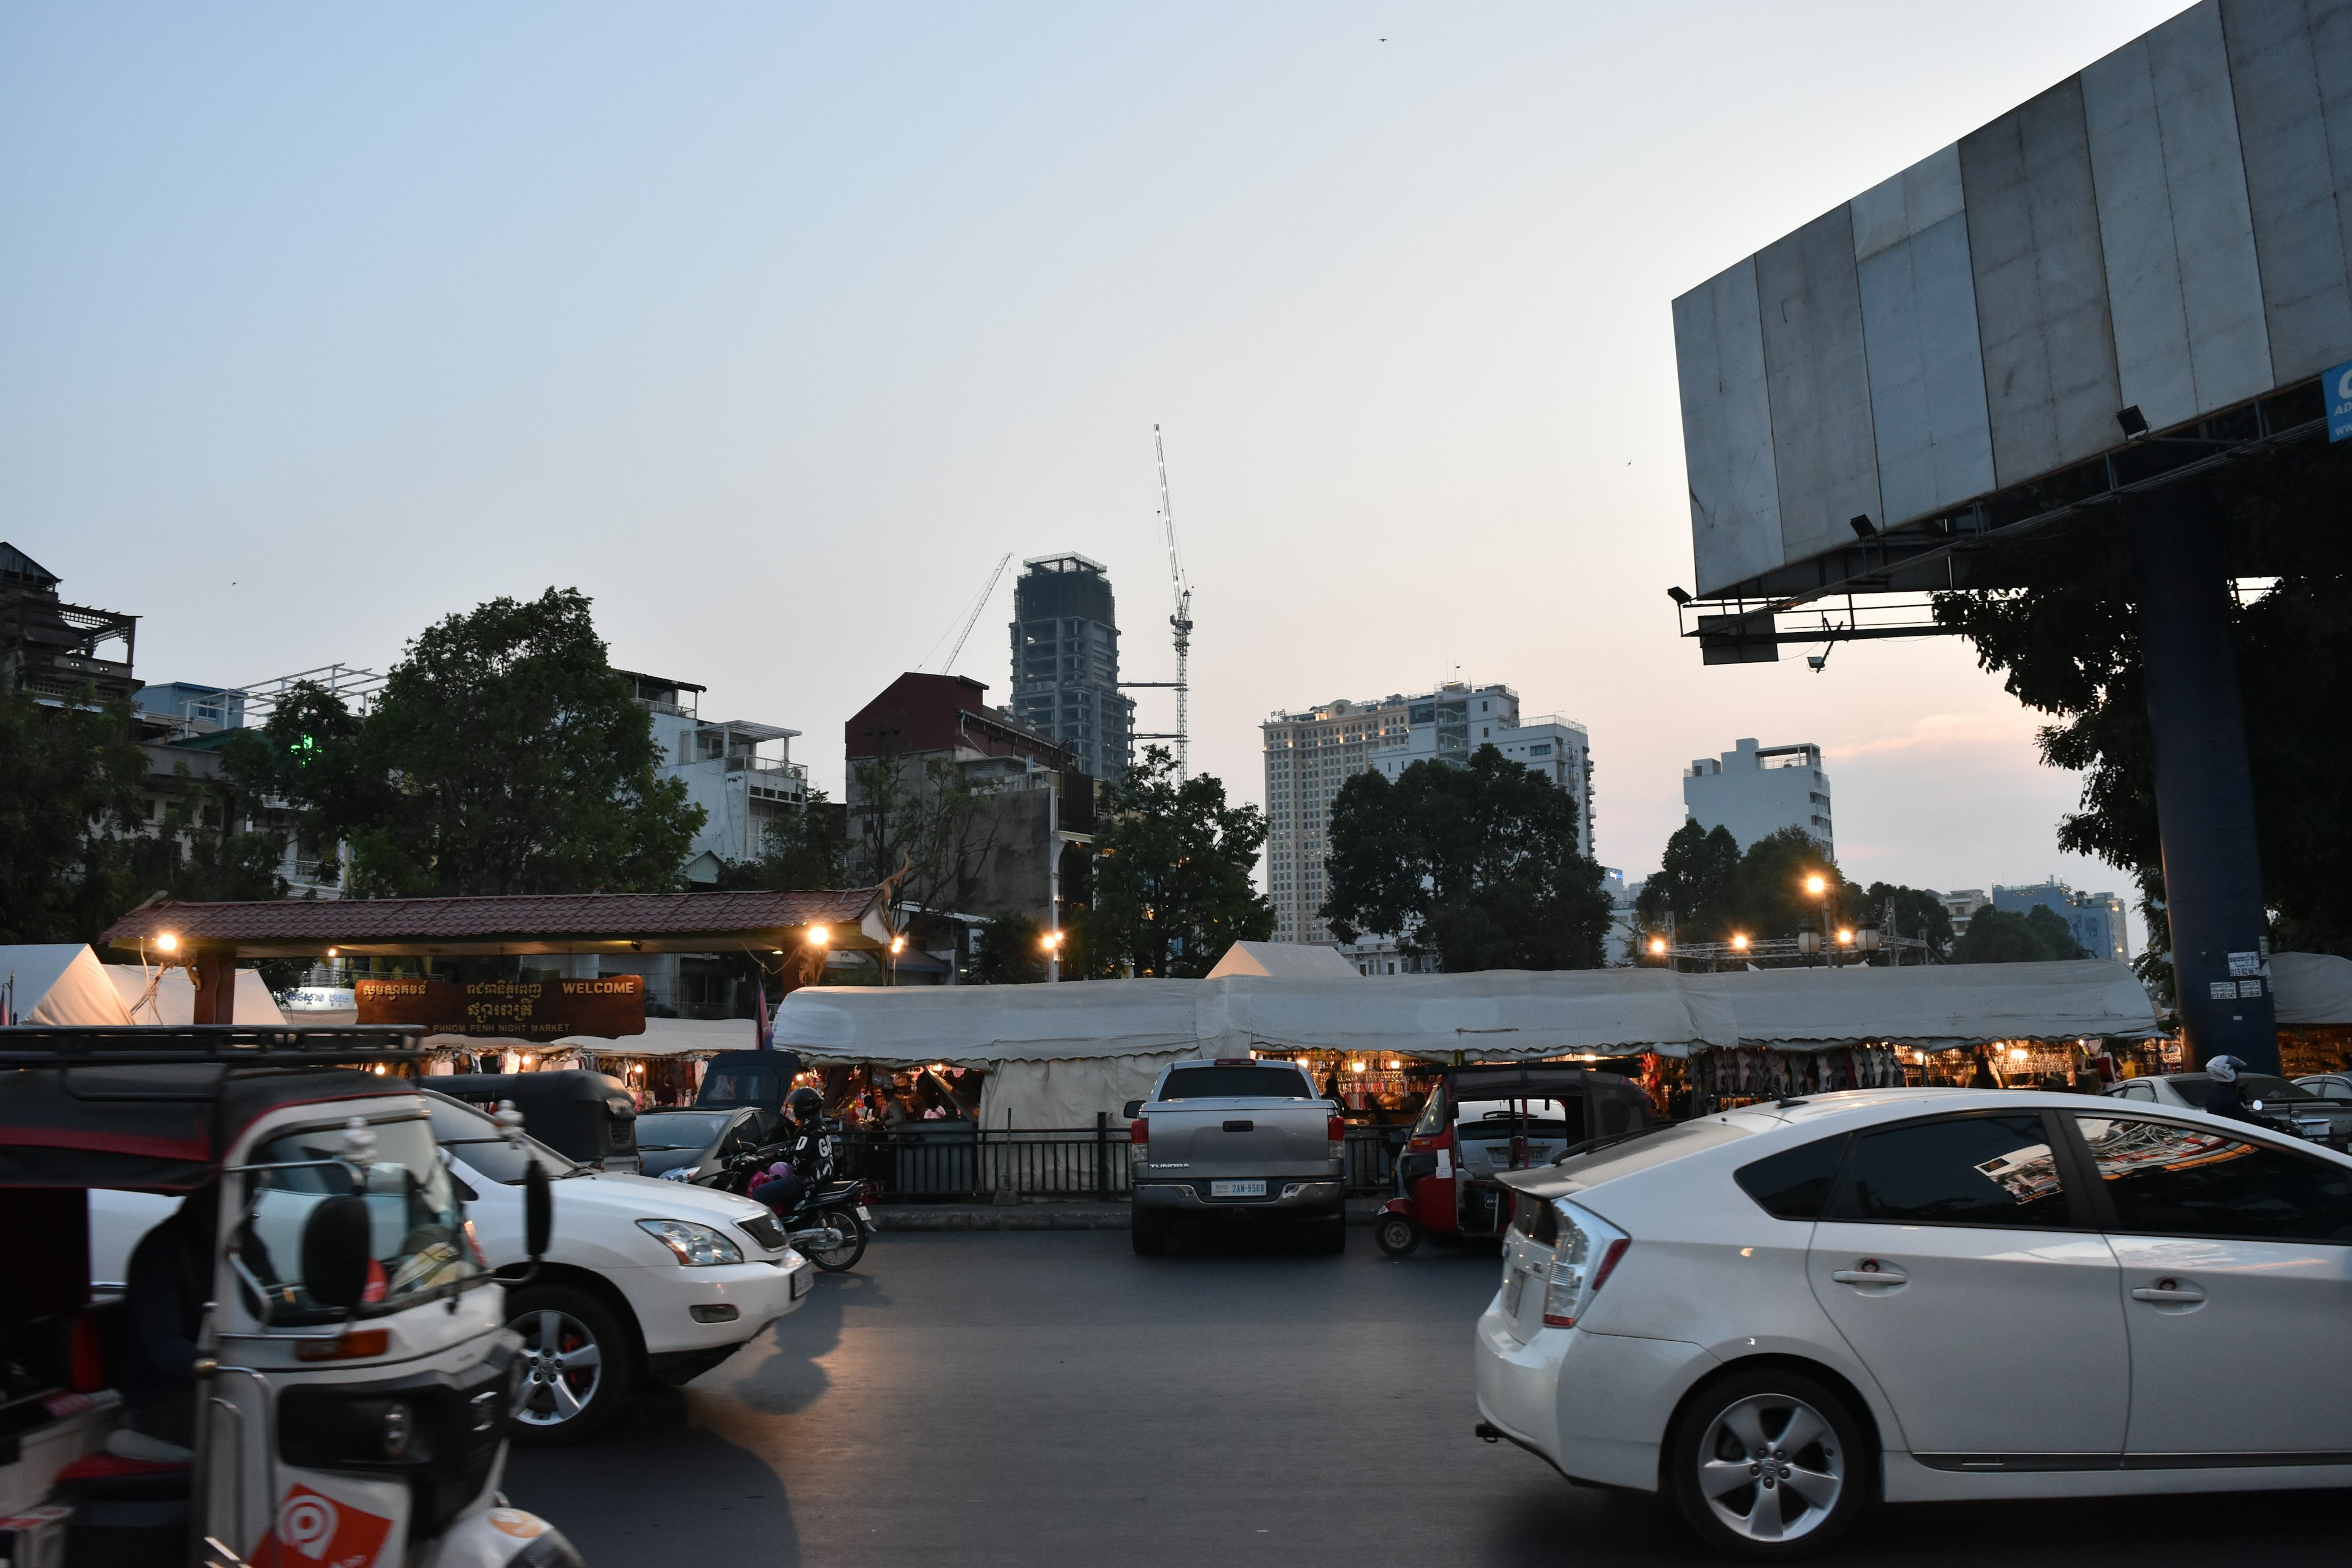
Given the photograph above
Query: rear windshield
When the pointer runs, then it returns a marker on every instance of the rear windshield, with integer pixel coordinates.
(1236, 1083)
(1654, 1147)
(680, 1129)
(742, 1085)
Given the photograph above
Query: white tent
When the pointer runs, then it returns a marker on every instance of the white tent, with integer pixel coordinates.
(59, 983)
(1284, 960)
(175, 1000)
(1057, 1053)
(2312, 987)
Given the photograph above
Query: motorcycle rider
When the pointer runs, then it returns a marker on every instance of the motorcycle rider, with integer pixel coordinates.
(806, 1158)
(2225, 1098)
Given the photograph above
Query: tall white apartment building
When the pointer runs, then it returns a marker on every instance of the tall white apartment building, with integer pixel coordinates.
(1309, 753)
(1755, 791)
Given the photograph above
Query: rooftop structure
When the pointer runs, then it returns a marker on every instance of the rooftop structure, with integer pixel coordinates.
(1756, 791)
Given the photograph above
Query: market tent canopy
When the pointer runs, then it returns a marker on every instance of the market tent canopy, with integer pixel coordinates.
(59, 983)
(1284, 960)
(663, 1037)
(567, 923)
(2312, 987)
(1495, 1013)
(175, 1000)
(1934, 1007)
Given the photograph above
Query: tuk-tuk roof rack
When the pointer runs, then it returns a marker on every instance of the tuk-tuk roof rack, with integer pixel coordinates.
(229, 1045)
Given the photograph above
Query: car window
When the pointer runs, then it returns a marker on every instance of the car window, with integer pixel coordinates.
(473, 1137)
(1235, 1083)
(1433, 1115)
(2169, 1180)
(2139, 1091)
(1795, 1182)
(680, 1129)
(1962, 1170)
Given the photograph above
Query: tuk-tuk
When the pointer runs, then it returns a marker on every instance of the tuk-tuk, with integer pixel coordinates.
(309, 1362)
(760, 1078)
(590, 1117)
(1490, 1118)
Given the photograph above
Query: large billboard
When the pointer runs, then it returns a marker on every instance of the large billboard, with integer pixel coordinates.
(2156, 243)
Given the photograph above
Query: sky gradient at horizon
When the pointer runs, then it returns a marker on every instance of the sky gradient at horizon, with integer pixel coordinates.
(771, 328)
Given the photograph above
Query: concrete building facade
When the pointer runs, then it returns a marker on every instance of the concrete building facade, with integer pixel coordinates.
(2098, 920)
(740, 773)
(1753, 792)
(1310, 753)
(1066, 662)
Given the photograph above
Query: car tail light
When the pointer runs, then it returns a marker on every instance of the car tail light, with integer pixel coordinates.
(1139, 1132)
(1589, 1251)
(1336, 1128)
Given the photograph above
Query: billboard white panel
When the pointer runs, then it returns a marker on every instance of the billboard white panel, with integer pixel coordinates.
(2163, 231)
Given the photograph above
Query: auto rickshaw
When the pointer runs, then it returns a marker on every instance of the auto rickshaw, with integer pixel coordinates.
(1488, 1118)
(349, 1383)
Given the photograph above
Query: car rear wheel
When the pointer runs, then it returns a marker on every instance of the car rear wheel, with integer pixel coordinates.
(1147, 1232)
(1396, 1234)
(578, 1364)
(1767, 1464)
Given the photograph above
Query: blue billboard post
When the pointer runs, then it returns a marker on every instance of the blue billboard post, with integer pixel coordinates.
(2204, 785)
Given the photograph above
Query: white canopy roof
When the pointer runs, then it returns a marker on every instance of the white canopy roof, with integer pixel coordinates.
(174, 1001)
(2312, 987)
(60, 983)
(1496, 1014)
(1288, 960)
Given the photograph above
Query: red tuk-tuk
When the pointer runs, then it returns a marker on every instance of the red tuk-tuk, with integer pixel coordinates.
(1490, 1118)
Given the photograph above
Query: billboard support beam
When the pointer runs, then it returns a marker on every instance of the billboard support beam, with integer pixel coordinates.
(2204, 785)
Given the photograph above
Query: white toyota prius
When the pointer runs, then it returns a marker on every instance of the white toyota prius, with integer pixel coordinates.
(1782, 1314)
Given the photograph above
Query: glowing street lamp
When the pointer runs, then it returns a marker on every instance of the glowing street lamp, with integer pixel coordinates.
(1740, 943)
(167, 942)
(1845, 937)
(818, 936)
(1657, 945)
(1816, 885)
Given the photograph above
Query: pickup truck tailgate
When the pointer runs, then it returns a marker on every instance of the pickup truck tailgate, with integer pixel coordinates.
(1207, 1139)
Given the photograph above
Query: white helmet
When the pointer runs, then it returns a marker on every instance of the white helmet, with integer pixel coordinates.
(2225, 1069)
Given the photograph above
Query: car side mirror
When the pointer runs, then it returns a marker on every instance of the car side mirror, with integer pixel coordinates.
(538, 1211)
(1131, 1110)
(337, 1241)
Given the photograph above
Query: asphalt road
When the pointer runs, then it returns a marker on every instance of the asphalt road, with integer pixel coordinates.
(1047, 1397)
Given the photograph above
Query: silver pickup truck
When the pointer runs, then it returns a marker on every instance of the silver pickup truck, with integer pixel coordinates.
(1236, 1140)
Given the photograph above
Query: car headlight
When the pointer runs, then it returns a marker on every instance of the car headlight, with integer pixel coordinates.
(696, 1246)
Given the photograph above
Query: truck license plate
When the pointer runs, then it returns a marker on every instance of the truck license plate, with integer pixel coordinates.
(1237, 1189)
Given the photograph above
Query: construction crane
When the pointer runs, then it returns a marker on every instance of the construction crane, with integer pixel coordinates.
(1181, 620)
(972, 617)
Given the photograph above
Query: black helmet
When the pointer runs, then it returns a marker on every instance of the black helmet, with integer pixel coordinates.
(804, 1103)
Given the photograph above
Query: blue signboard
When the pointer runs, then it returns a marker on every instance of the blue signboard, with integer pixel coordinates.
(2336, 387)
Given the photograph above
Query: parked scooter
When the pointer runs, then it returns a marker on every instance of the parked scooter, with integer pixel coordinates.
(829, 1225)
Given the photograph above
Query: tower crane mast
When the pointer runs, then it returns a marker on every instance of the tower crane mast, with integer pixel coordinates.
(973, 618)
(1182, 621)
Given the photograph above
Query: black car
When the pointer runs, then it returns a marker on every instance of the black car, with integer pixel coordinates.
(695, 1139)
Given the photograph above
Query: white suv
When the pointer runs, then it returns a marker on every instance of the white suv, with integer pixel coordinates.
(1781, 1313)
(644, 1279)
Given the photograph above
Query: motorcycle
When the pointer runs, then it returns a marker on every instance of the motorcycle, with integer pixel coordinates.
(829, 1225)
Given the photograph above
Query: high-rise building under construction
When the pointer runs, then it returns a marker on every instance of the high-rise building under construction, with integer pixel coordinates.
(1066, 662)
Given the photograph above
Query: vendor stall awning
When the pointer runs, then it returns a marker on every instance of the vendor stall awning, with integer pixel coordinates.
(1497, 1015)
(2312, 988)
(572, 922)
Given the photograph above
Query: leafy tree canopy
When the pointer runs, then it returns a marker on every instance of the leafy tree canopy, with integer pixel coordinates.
(1476, 864)
(74, 778)
(1997, 936)
(1714, 891)
(802, 849)
(502, 756)
(2067, 643)
(1009, 953)
(1171, 874)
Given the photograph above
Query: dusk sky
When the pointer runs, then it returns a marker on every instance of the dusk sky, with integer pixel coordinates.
(771, 327)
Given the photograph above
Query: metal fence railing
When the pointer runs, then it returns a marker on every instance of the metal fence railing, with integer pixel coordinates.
(958, 1160)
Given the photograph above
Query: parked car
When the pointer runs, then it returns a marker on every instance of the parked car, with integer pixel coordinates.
(2333, 1087)
(2295, 1108)
(647, 1278)
(698, 1141)
(1780, 1313)
(1236, 1140)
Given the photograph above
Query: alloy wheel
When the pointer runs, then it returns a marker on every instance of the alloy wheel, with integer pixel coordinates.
(1771, 1467)
(562, 1367)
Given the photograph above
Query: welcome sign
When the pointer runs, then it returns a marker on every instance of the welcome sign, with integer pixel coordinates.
(607, 1007)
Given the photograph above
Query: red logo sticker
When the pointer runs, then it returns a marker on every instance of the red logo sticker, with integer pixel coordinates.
(316, 1530)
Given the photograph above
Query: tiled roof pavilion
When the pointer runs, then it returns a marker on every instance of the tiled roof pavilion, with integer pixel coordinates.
(563, 922)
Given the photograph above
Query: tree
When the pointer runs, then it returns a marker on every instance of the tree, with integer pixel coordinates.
(1997, 936)
(75, 781)
(928, 822)
(1172, 873)
(1010, 953)
(2066, 642)
(806, 849)
(502, 756)
(1918, 913)
(1476, 864)
(1698, 883)
(195, 852)
(1773, 899)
